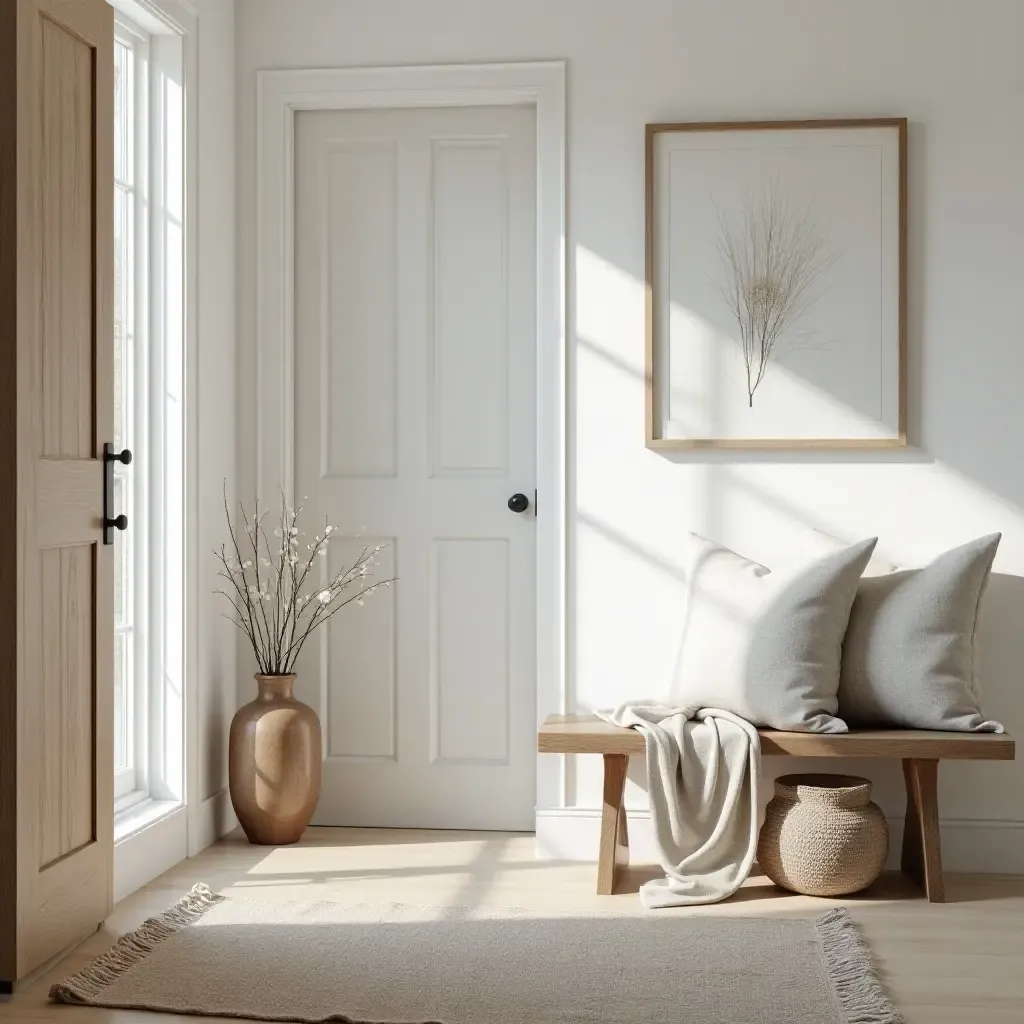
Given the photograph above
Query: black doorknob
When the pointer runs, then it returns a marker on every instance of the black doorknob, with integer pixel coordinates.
(519, 503)
(112, 522)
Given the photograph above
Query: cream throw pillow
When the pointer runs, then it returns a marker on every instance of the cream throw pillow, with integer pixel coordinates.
(765, 645)
(908, 657)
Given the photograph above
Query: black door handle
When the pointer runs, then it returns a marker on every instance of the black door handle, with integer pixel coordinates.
(519, 503)
(112, 522)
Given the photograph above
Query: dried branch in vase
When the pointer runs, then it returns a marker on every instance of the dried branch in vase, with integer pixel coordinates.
(275, 586)
(772, 260)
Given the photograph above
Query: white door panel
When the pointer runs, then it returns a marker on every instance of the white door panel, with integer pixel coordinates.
(415, 362)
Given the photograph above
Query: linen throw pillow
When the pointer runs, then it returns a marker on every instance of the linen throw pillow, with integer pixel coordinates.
(765, 645)
(908, 657)
(817, 544)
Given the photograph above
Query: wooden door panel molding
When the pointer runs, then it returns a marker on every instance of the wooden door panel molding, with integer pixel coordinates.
(67, 243)
(66, 687)
(66, 905)
(56, 307)
(84, 18)
(69, 501)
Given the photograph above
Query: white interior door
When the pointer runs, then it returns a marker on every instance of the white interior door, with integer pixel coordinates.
(415, 421)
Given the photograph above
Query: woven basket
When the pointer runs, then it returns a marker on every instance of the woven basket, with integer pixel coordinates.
(822, 835)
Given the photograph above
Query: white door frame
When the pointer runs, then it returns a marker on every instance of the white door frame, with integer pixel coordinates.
(279, 95)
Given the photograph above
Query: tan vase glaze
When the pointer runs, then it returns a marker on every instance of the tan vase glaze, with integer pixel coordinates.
(822, 835)
(274, 759)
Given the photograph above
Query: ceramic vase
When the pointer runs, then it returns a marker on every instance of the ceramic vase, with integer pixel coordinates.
(274, 759)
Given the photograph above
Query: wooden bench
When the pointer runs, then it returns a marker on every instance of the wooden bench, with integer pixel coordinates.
(920, 752)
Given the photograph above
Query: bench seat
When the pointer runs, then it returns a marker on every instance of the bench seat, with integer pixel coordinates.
(919, 750)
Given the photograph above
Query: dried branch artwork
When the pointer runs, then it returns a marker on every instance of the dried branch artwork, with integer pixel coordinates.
(773, 257)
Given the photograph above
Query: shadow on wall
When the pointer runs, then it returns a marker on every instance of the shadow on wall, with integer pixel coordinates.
(729, 493)
(999, 640)
(964, 414)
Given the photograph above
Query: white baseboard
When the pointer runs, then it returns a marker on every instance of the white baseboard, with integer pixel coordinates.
(150, 851)
(213, 819)
(991, 847)
(143, 855)
(995, 847)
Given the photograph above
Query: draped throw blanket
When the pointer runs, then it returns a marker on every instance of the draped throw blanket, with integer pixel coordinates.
(703, 769)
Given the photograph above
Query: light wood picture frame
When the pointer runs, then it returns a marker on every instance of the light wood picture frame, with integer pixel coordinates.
(776, 284)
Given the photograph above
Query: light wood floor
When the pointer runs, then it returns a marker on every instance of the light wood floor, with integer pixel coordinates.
(957, 963)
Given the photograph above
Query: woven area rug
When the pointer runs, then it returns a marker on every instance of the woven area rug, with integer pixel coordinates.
(391, 964)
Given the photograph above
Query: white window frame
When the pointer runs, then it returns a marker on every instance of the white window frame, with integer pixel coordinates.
(131, 784)
(155, 784)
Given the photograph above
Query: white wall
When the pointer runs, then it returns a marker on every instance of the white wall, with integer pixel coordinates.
(215, 449)
(954, 70)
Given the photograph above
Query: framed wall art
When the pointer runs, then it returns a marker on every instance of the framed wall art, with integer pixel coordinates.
(776, 284)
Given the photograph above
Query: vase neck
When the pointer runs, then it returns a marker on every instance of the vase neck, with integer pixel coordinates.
(275, 687)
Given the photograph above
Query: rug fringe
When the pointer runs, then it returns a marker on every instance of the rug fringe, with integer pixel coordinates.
(133, 947)
(852, 973)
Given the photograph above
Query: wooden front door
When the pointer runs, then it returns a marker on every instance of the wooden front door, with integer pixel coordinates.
(56, 575)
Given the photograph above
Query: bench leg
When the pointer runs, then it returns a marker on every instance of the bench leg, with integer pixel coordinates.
(614, 850)
(922, 849)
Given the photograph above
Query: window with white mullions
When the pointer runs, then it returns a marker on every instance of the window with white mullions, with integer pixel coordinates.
(149, 233)
(130, 391)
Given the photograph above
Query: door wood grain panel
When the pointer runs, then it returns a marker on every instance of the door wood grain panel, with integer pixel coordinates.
(56, 410)
(67, 690)
(67, 242)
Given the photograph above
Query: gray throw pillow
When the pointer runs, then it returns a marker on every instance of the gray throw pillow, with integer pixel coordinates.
(766, 645)
(908, 656)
